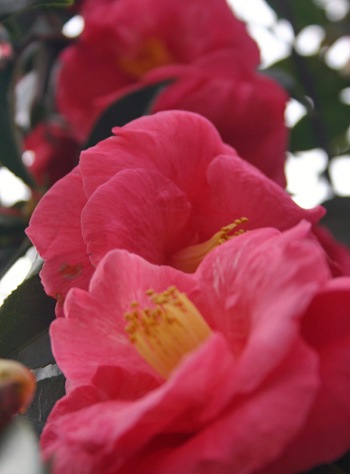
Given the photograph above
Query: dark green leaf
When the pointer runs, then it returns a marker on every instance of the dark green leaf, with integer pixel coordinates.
(37, 352)
(10, 7)
(300, 13)
(128, 108)
(24, 317)
(337, 218)
(325, 124)
(10, 222)
(48, 391)
(12, 242)
(10, 151)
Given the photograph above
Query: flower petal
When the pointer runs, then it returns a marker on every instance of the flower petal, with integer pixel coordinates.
(254, 289)
(239, 189)
(175, 428)
(98, 316)
(326, 433)
(180, 145)
(223, 88)
(137, 210)
(55, 230)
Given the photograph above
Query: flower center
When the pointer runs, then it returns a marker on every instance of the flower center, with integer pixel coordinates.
(167, 331)
(188, 259)
(153, 53)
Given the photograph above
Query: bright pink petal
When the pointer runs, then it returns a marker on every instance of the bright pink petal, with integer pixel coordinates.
(137, 210)
(98, 316)
(238, 189)
(252, 431)
(224, 89)
(254, 288)
(185, 414)
(326, 434)
(55, 230)
(177, 144)
(182, 31)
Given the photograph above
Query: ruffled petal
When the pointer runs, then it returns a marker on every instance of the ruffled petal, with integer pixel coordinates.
(238, 189)
(137, 210)
(326, 433)
(180, 145)
(179, 425)
(254, 288)
(55, 230)
(223, 88)
(98, 316)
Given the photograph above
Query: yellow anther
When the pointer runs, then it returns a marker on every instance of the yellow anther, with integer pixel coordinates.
(190, 257)
(166, 332)
(152, 53)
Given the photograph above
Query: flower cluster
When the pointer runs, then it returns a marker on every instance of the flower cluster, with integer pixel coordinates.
(201, 46)
(242, 366)
(201, 326)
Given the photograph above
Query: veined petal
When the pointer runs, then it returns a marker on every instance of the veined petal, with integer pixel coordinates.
(192, 433)
(254, 289)
(177, 144)
(98, 315)
(137, 210)
(326, 432)
(238, 189)
(55, 230)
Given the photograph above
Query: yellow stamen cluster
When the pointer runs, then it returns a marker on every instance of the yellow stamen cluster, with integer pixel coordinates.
(189, 258)
(153, 53)
(167, 331)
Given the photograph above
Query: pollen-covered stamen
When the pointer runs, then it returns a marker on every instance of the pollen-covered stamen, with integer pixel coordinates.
(189, 258)
(167, 331)
(152, 53)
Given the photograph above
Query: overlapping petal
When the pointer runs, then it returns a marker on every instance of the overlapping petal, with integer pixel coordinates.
(101, 312)
(325, 435)
(161, 32)
(163, 183)
(224, 89)
(237, 403)
(56, 231)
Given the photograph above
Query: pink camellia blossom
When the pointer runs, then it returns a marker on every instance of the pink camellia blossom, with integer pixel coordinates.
(198, 44)
(223, 88)
(165, 187)
(54, 152)
(241, 367)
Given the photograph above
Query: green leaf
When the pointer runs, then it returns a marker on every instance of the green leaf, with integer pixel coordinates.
(12, 242)
(48, 391)
(324, 126)
(10, 7)
(24, 320)
(10, 150)
(300, 13)
(129, 107)
(337, 218)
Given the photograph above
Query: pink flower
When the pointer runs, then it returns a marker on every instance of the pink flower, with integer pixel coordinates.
(165, 187)
(243, 368)
(223, 88)
(198, 43)
(54, 153)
